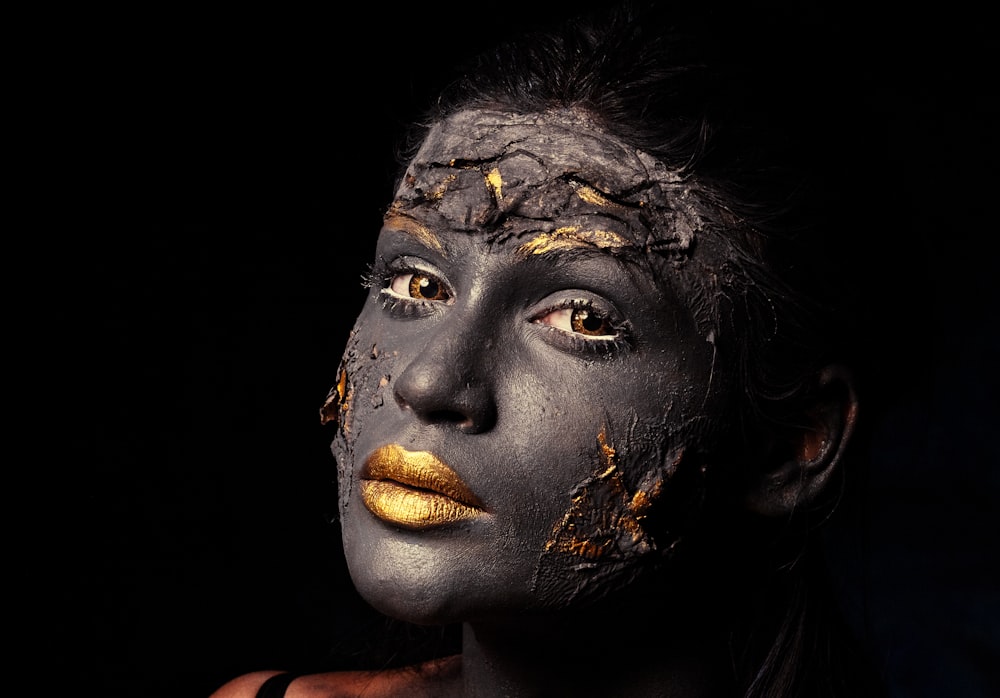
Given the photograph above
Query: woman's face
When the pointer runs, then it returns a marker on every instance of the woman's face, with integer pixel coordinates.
(527, 377)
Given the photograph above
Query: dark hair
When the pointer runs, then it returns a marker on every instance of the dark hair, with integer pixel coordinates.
(764, 117)
(758, 109)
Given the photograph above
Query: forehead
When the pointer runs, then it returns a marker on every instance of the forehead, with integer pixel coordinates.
(524, 175)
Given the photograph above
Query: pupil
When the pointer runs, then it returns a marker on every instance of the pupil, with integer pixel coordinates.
(424, 287)
(588, 322)
(427, 287)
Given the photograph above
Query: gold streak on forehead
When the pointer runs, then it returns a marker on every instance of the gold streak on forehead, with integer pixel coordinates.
(404, 223)
(592, 196)
(495, 183)
(571, 236)
(441, 189)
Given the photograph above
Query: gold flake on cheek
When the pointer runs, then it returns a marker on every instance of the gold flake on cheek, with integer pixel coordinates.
(572, 236)
(604, 521)
(607, 450)
(337, 405)
(494, 182)
(406, 224)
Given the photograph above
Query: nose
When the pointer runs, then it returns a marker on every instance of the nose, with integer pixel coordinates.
(448, 383)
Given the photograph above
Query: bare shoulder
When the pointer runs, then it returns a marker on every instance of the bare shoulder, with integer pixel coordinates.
(434, 679)
(245, 686)
(438, 678)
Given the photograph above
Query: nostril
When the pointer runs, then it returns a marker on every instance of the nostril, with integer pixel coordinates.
(463, 422)
(437, 391)
(469, 409)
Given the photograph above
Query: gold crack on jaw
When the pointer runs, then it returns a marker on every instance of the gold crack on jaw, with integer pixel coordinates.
(604, 520)
(607, 450)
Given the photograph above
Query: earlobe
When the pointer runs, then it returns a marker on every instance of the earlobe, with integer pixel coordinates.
(805, 477)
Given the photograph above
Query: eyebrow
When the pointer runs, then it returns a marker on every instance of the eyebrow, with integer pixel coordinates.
(570, 237)
(405, 224)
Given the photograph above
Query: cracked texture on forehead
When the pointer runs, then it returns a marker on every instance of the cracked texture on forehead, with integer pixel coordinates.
(480, 167)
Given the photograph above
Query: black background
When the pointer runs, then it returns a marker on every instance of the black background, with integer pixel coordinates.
(203, 192)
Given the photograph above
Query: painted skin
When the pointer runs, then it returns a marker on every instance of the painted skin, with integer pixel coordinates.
(532, 329)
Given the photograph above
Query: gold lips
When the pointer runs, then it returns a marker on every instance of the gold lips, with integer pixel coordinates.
(415, 489)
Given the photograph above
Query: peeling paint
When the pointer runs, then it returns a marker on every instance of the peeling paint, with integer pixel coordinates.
(601, 536)
(337, 401)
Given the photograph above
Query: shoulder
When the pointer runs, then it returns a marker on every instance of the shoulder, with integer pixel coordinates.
(245, 686)
(436, 678)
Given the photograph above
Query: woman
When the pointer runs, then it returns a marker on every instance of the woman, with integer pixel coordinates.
(601, 393)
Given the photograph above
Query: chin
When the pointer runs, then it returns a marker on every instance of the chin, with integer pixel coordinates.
(416, 577)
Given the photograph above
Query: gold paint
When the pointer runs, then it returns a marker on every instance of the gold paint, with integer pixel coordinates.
(406, 224)
(410, 508)
(337, 402)
(442, 188)
(603, 515)
(640, 503)
(415, 489)
(342, 384)
(592, 196)
(607, 450)
(495, 183)
(571, 236)
(586, 549)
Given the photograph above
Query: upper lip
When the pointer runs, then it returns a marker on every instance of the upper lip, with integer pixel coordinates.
(419, 469)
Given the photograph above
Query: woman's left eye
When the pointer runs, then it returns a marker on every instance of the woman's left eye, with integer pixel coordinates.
(419, 286)
(584, 321)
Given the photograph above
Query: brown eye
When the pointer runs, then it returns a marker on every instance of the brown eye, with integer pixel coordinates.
(583, 321)
(589, 323)
(427, 288)
(419, 286)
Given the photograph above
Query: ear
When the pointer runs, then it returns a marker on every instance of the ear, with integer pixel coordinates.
(808, 463)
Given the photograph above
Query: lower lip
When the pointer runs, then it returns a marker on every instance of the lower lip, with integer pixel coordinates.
(412, 508)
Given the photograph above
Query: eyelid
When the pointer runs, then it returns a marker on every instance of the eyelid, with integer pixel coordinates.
(412, 266)
(605, 343)
(569, 308)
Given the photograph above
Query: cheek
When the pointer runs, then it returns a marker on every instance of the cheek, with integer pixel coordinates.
(606, 536)
(361, 388)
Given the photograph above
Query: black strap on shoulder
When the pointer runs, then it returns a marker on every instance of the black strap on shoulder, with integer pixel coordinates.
(276, 686)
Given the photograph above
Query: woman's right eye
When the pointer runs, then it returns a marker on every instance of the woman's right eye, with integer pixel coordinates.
(418, 285)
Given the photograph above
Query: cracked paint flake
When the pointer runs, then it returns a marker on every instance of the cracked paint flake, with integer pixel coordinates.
(337, 403)
(602, 534)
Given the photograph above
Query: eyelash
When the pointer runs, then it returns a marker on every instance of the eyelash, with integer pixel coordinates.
(381, 274)
(578, 342)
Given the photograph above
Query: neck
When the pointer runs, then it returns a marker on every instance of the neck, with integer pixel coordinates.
(632, 652)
